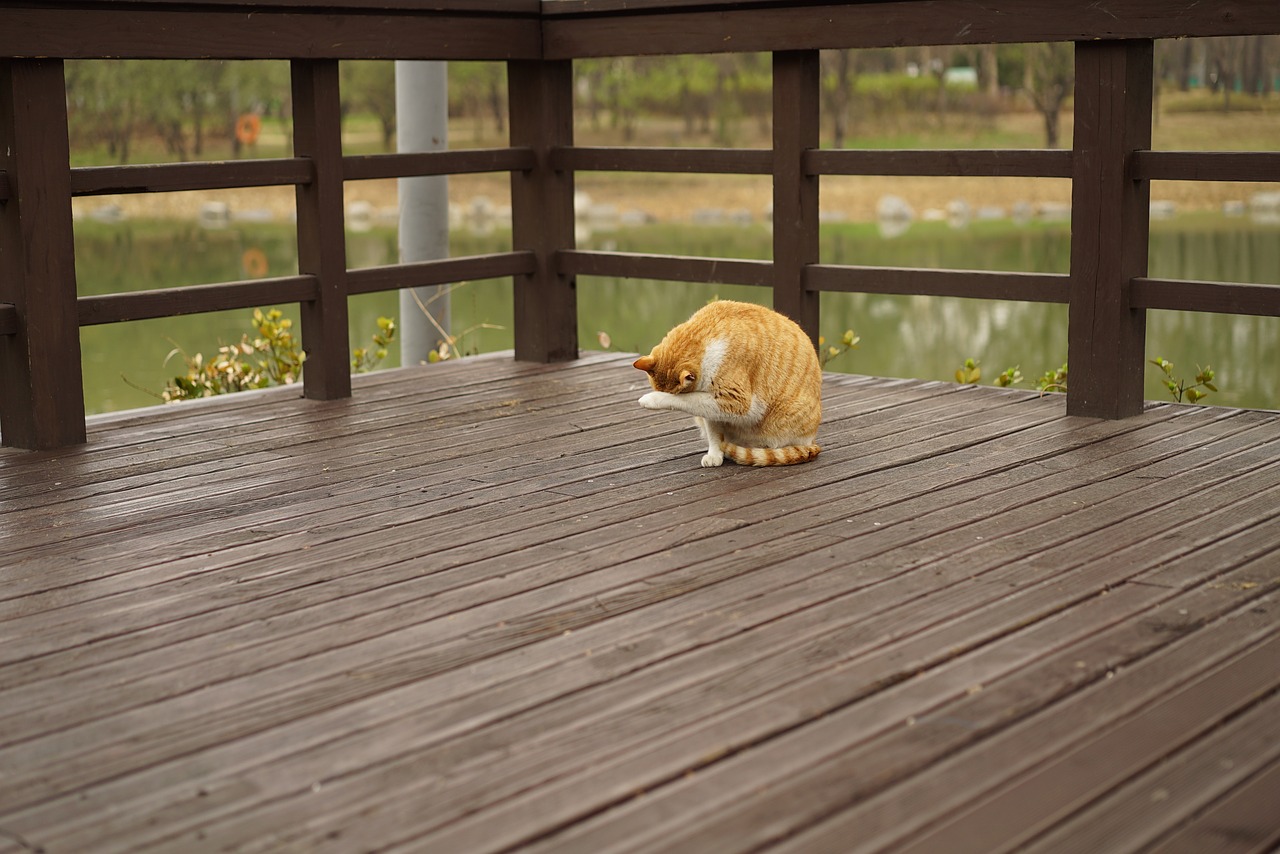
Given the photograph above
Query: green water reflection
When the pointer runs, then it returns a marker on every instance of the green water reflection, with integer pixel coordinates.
(923, 337)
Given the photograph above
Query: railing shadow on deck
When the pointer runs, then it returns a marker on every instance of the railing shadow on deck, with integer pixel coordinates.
(1110, 166)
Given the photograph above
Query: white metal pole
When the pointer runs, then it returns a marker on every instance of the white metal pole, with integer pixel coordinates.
(422, 124)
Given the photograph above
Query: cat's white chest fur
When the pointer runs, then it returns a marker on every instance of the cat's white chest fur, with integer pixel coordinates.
(712, 358)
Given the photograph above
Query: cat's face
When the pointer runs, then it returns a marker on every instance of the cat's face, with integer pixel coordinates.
(669, 375)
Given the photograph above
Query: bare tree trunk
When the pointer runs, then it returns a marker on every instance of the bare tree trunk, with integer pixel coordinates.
(989, 71)
(841, 63)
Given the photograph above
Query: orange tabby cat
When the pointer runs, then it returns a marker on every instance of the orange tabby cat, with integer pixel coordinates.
(750, 378)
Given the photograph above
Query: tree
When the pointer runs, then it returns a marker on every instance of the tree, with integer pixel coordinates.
(371, 85)
(839, 73)
(1050, 80)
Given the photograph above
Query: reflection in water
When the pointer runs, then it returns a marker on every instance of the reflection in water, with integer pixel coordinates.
(902, 336)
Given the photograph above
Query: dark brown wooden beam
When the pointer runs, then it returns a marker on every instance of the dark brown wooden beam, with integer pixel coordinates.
(970, 284)
(41, 385)
(179, 177)
(1222, 297)
(707, 160)
(1206, 165)
(511, 7)
(671, 268)
(796, 109)
(196, 299)
(8, 319)
(197, 32)
(321, 234)
(1109, 228)
(995, 163)
(545, 302)
(714, 27)
(447, 271)
(466, 161)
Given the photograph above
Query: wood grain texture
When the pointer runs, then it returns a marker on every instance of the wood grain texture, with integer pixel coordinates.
(1226, 297)
(1207, 165)
(713, 27)
(977, 284)
(41, 402)
(1110, 227)
(542, 215)
(446, 271)
(195, 299)
(322, 253)
(620, 159)
(196, 32)
(995, 163)
(796, 114)
(492, 604)
(458, 162)
(178, 177)
(675, 268)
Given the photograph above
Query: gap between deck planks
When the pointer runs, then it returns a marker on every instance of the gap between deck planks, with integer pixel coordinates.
(558, 609)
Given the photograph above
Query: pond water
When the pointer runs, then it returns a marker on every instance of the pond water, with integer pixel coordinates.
(902, 336)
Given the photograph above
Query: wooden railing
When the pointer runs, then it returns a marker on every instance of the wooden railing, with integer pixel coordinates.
(1110, 166)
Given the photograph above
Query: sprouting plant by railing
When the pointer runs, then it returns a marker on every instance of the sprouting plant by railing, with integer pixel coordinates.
(1055, 380)
(272, 356)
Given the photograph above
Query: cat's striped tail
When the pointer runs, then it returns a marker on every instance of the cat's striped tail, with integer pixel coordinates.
(787, 456)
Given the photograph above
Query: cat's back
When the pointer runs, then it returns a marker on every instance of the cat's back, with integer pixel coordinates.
(773, 345)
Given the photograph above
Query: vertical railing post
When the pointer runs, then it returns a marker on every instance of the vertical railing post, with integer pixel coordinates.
(317, 135)
(796, 103)
(41, 384)
(1110, 213)
(546, 304)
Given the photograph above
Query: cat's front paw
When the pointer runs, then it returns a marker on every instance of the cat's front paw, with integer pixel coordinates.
(711, 460)
(654, 400)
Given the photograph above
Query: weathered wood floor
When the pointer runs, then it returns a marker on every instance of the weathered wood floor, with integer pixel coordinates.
(495, 605)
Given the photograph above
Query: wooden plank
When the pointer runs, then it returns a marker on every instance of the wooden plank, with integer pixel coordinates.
(585, 794)
(1106, 335)
(1242, 822)
(676, 268)
(298, 486)
(1145, 661)
(460, 525)
(709, 28)
(1030, 163)
(195, 299)
(621, 159)
(322, 254)
(42, 404)
(179, 177)
(546, 306)
(201, 33)
(1225, 297)
(228, 798)
(974, 284)
(459, 162)
(1030, 802)
(524, 7)
(1188, 780)
(796, 115)
(1206, 165)
(445, 271)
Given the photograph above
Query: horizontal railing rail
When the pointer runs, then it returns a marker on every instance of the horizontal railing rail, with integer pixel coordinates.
(1110, 167)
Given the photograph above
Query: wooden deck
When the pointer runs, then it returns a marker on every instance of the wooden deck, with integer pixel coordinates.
(493, 605)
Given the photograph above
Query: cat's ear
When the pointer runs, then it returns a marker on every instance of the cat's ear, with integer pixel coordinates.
(687, 379)
(645, 363)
